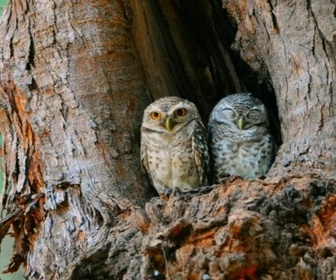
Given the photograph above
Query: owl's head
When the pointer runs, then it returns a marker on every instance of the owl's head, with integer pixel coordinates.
(239, 111)
(169, 114)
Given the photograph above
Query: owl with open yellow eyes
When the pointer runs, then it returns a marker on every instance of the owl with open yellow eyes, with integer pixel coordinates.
(174, 151)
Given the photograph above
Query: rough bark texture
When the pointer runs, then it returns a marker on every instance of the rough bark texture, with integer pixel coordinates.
(76, 76)
(238, 230)
(292, 43)
(73, 102)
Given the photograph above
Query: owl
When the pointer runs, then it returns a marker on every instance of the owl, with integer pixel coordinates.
(240, 142)
(174, 151)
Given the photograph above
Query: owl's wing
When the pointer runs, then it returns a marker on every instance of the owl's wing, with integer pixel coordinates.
(200, 151)
(144, 158)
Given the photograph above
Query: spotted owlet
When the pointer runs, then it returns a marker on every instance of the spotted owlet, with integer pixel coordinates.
(239, 138)
(174, 149)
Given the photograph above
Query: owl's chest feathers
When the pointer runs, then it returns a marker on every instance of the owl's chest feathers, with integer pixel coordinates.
(167, 141)
(170, 151)
(170, 159)
(242, 142)
(247, 157)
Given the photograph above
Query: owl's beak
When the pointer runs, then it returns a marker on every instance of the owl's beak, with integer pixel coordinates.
(241, 122)
(169, 124)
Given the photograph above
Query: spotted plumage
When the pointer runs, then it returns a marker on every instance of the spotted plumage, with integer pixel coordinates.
(174, 150)
(239, 138)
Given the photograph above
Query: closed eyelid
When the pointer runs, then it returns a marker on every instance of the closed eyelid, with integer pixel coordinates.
(255, 110)
(228, 111)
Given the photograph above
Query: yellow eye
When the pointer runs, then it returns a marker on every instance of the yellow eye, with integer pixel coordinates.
(180, 112)
(155, 115)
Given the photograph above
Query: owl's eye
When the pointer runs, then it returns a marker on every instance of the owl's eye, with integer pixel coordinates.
(228, 112)
(253, 113)
(180, 112)
(155, 115)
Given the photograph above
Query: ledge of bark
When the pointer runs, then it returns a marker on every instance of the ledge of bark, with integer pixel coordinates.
(237, 230)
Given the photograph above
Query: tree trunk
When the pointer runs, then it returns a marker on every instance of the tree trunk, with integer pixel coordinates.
(292, 44)
(74, 99)
(75, 80)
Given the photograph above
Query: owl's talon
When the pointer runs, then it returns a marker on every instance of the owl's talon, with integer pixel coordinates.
(166, 193)
(176, 192)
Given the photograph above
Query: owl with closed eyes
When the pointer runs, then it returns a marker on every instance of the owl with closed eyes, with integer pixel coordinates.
(174, 151)
(239, 138)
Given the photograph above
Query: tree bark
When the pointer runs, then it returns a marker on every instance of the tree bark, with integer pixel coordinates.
(74, 99)
(76, 77)
(292, 43)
